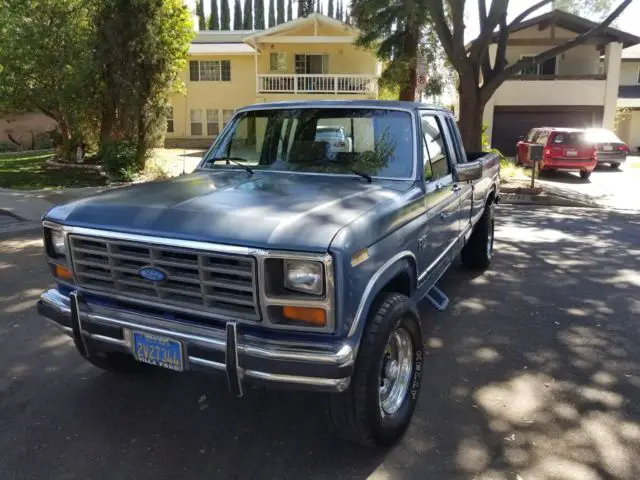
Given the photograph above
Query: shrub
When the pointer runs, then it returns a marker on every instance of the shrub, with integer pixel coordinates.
(43, 141)
(119, 160)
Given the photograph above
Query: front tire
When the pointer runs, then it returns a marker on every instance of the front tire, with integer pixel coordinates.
(378, 406)
(477, 253)
(615, 165)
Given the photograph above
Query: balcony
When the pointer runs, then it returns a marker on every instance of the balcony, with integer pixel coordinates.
(320, 84)
(552, 90)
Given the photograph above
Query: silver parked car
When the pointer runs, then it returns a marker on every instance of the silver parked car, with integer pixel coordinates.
(609, 148)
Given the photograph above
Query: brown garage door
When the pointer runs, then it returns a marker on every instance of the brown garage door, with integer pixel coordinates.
(509, 123)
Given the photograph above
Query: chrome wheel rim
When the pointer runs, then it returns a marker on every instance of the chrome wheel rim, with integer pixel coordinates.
(490, 241)
(395, 371)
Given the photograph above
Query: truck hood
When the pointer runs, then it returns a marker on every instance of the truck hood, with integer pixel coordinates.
(264, 210)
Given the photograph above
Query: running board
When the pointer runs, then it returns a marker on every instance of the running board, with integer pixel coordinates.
(437, 298)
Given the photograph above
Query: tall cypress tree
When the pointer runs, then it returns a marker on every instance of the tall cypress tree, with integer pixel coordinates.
(237, 15)
(290, 10)
(339, 11)
(225, 15)
(258, 16)
(247, 21)
(330, 9)
(202, 22)
(280, 12)
(347, 18)
(272, 14)
(305, 8)
(214, 19)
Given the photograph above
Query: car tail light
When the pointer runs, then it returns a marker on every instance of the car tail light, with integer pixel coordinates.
(547, 153)
(623, 148)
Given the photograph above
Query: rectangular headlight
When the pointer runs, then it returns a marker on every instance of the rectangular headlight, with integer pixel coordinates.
(304, 276)
(58, 244)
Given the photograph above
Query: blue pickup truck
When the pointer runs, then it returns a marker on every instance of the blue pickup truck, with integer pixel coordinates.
(286, 258)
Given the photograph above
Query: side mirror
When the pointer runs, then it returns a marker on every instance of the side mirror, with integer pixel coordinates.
(521, 138)
(467, 172)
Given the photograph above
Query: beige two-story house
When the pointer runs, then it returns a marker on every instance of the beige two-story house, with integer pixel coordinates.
(578, 88)
(628, 126)
(312, 57)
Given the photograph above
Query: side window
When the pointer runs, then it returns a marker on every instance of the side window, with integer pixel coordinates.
(542, 138)
(435, 148)
(456, 141)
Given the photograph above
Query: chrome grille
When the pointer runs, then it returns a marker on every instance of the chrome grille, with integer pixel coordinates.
(211, 282)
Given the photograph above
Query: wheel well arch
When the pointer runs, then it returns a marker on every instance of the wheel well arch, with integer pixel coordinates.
(491, 197)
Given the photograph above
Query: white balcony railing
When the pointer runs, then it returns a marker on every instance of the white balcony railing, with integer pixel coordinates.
(336, 84)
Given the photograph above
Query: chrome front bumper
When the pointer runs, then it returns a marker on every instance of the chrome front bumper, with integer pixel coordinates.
(242, 356)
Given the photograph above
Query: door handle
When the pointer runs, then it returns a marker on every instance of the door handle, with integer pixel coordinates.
(444, 216)
(456, 188)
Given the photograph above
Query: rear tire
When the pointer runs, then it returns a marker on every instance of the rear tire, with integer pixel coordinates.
(584, 174)
(615, 165)
(477, 253)
(120, 363)
(378, 406)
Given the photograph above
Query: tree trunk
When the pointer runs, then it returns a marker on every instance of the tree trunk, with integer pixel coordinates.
(68, 152)
(470, 120)
(410, 52)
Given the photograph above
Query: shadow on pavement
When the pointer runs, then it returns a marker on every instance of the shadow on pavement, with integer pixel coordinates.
(533, 371)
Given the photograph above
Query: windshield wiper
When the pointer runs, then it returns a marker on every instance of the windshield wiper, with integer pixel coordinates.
(366, 176)
(234, 160)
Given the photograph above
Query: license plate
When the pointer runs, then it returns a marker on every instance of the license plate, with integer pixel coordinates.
(607, 148)
(571, 153)
(158, 351)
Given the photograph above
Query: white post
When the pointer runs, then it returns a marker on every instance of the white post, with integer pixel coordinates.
(255, 57)
(612, 61)
(335, 84)
(295, 84)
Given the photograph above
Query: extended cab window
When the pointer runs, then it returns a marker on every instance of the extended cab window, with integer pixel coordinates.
(436, 158)
(376, 142)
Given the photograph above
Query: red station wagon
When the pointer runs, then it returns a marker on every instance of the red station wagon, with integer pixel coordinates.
(564, 149)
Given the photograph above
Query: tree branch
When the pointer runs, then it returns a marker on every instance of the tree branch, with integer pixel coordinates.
(480, 45)
(490, 87)
(457, 18)
(442, 28)
(482, 11)
(514, 23)
(501, 52)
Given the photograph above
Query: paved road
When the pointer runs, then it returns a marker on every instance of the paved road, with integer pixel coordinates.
(607, 187)
(533, 371)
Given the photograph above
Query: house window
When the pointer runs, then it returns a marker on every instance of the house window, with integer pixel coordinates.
(312, 64)
(213, 126)
(548, 67)
(226, 117)
(278, 62)
(196, 122)
(169, 119)
(210, 71)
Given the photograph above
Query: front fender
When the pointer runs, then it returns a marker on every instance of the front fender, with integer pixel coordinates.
(402, 263)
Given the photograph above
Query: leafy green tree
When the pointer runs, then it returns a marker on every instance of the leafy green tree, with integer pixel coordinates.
(330, 9)
(280, 9)
(305, 8)
(272, 14)
(289, 10)
(46, 65)
(237, 15)
(214, 18)
(225, 15)
(140, 48)
(247, 22)
(396, 31)
(202, 21)
(259, 14)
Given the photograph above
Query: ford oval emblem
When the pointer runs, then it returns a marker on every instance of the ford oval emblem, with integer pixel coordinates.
(152, 274)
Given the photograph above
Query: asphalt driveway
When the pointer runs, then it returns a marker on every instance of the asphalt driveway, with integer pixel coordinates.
(533, 371)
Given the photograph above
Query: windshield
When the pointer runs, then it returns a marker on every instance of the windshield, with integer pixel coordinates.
(375, 142)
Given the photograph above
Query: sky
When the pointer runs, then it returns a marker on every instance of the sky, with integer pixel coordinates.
(627, 22)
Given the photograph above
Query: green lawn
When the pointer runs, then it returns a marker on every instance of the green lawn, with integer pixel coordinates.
(634, 162)
(28, 171)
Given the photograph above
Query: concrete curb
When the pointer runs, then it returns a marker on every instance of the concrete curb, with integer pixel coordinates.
(548, 200)
(26, 152)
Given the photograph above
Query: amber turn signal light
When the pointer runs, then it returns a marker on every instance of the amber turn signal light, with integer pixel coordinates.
(314, 316)
(63, 273)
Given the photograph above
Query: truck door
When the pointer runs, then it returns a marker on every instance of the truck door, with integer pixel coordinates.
(441, 198)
